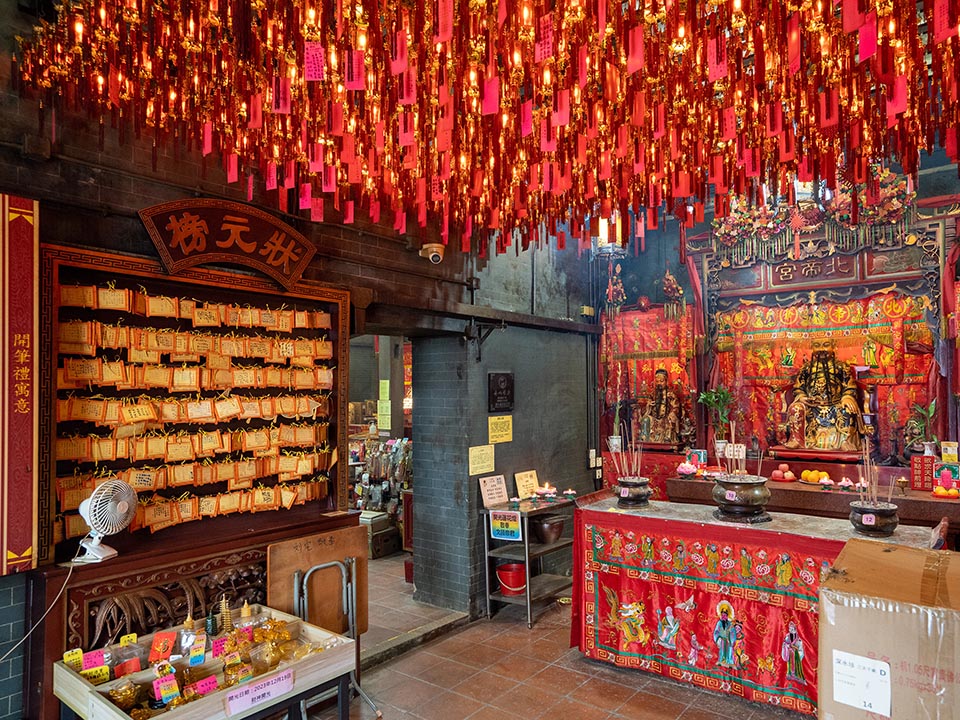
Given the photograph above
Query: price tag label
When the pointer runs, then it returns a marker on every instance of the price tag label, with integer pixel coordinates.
(205, 686)
(97, 675)
(92, 659)
(198, 649)
(74, 659)
(166, 688)
(128, 639)
(231, 658)
(218, 645)
(245, 673)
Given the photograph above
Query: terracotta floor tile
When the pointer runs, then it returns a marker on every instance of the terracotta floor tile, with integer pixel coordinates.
(701, 713)
(651, 707)
(415, 662)
(485, 685)
(518, 667)
(569, 708)
(410, 695)
(448, 706)
(379, 680)
(603, 693)
(673, 690)
(481, 656)
(488, 712)
(525, 702)
(447, 674)
(558, 680)
(543, 650)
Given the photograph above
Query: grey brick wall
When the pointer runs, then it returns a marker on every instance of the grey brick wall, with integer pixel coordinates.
(12, 613)
(450, 416)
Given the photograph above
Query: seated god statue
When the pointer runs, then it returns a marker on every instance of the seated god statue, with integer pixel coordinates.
(657, 419)
(824, 413)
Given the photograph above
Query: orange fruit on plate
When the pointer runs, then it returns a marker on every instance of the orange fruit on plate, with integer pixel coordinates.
(953, 492)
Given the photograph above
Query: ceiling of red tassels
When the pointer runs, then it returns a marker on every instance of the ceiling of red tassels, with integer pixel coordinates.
(478, 116)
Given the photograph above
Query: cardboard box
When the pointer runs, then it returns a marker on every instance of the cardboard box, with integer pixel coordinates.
(890, 634)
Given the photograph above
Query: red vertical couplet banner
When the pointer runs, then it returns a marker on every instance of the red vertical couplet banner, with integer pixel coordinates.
(19, 358)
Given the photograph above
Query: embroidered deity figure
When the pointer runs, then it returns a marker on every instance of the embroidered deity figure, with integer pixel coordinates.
(784, 571)
(791, 652)
(667, 628)
(724, 635)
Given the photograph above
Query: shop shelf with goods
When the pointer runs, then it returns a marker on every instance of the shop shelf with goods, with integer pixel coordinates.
(541, 535)
(323, 661)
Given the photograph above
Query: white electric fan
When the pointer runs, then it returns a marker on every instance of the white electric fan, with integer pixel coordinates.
(107, 511)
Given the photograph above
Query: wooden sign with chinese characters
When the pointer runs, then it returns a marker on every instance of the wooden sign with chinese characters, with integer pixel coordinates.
(19, 278)
(203, 231)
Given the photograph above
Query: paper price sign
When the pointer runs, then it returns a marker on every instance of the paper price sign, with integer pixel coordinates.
(74, 659)
(198, 648)
(97, 675)
(205, 686)
(218, 645)
(166, 688)
(246, 697)
(505, 525)
(92, 659)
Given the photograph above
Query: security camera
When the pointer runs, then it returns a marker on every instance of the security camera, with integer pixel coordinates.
(433, 252)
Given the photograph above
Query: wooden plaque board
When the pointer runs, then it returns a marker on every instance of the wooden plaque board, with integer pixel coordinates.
(325, 609)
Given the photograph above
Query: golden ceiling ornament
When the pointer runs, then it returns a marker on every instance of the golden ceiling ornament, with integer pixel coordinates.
(267, 80)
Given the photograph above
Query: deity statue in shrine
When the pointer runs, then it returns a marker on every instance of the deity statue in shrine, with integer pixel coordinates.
(657, 418)
(824, 413)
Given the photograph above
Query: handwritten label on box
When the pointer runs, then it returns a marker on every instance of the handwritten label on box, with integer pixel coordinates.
(205, 686)
(96, 675)
(92, 659)
(265, 690)
(218, 645)
(74, 659)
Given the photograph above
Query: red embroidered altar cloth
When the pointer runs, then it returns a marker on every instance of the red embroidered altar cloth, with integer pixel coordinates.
(729, 608)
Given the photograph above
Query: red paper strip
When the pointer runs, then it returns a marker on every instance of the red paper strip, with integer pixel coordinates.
(314, 57)
(793, 43)
(491, 96)
(867, 37)
(256, 111)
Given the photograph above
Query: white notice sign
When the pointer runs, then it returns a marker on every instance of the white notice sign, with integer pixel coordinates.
(493, 490)
(861, 682)
(262, 691)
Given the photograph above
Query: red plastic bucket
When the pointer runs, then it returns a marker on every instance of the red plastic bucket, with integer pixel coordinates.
(513, 578)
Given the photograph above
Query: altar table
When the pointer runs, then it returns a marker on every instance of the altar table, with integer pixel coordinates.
(914, 507)
(727, 607)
